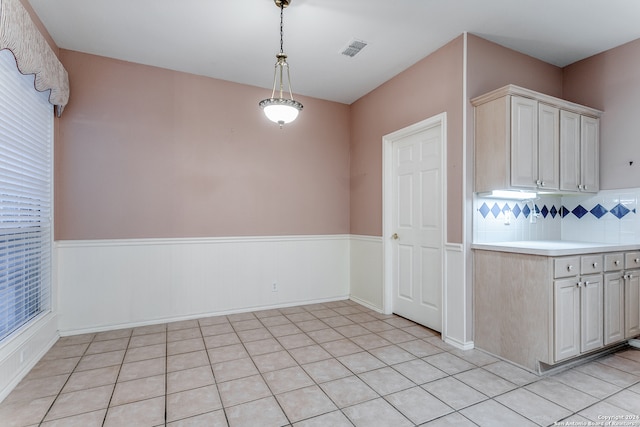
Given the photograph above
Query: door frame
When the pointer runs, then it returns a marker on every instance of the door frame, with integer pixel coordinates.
(387, 208)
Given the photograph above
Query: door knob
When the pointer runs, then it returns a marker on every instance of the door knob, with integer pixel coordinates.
(395, 236)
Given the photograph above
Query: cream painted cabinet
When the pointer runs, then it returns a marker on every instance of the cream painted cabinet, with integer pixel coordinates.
(632, 294)
(524, 142)
(519, 142)
(566, 324)
(534, 144)
(565, 306)
(579, 153)
(578, 305)
(614, 298)
(632, 303)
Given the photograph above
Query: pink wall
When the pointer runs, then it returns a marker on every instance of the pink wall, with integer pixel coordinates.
(610, 81)
(430, 87)
(491, 66)
(145, 152)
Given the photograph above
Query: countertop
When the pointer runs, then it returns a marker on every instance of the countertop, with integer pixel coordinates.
(553, 247)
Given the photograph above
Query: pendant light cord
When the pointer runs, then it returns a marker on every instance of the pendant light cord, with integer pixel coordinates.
(281, 27)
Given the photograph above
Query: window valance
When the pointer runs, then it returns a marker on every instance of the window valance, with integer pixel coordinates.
(33, 54)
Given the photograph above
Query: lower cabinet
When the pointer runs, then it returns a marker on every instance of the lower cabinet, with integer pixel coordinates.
(632, 303)
(578, 315)
(614, 307)
(538, 311)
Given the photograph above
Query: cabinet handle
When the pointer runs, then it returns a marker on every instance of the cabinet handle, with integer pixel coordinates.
(578, 284)
(637, 260)
(569, 267)
(395, 236)
(586, 283)
(616, 262)
(580, 187)
(584, 187)
(595, 265)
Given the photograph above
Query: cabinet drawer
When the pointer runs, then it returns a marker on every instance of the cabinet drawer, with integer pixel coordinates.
(566, 266)
(631, 260)
(613, 262)
(590, 264)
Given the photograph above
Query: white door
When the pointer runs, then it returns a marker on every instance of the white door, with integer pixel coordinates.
(417, 217)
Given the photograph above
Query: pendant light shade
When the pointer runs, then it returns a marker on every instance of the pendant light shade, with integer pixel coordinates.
(279, 109)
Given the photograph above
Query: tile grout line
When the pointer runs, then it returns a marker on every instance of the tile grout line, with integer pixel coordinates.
(206, 352)
(67, 380)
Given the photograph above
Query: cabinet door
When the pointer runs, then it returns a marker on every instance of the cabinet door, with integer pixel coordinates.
(590, 154)
(548, 147)
(524, 142)
(613, 308)
(632, 303)
(569, 151)
(566, 324)
(591, 313)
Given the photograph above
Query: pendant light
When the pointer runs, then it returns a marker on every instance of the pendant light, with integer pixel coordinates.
(281, 110)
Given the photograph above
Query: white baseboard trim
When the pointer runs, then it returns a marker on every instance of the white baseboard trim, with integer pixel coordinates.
(365, 304)
(199, 316)
(458, 344)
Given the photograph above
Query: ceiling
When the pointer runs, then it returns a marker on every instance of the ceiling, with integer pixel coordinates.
(237, 40)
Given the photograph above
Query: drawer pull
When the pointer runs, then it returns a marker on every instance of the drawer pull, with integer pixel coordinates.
(569, 267)
(595, 265)
(637, 260)
(616, 262)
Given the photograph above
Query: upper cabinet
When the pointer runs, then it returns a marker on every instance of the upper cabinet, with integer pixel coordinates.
(527, 140)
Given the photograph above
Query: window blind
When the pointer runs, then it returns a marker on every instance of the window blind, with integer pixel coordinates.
(26, 140)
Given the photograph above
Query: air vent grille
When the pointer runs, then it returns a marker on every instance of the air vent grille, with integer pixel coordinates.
(353, 48)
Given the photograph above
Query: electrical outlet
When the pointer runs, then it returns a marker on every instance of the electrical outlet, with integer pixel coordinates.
(274, 287)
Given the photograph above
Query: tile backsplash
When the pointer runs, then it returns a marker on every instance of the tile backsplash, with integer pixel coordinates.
(610, 217)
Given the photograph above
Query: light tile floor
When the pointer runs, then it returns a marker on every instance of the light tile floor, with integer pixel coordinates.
(333, 364)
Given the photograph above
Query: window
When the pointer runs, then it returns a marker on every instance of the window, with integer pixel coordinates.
(26, 140)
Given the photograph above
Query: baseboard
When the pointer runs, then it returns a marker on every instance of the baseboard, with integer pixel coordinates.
(366, 304)
(458, 344)
(198, 316)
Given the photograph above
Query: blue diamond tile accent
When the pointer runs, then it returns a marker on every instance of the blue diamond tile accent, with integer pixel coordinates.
(553, 211)
(495, 210)
(579, 211)
(633, 210)
(598, 211)
(484, 210)
(506, 207)
(544, 211)
(564, 211)
(526, 211)
(619, 210)
(516, 210)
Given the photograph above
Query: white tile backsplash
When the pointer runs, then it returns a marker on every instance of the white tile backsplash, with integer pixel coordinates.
(598, 224)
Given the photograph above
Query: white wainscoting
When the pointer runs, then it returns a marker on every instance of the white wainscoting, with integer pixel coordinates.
(24, 349)
(367, 284)
(457, 309)
(108, 284)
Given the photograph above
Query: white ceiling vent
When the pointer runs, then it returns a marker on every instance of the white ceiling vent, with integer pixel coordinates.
(353, 48)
